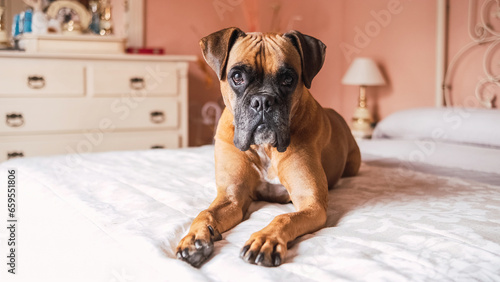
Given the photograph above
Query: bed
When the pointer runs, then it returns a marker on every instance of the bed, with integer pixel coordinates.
(424, 207)
(421, 208)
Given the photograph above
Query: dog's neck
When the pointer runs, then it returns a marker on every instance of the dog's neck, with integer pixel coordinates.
(302, 109)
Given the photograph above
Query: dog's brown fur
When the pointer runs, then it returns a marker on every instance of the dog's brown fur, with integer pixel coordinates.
(321, 150)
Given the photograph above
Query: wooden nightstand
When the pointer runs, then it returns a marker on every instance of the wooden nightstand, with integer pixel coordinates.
(58, 104)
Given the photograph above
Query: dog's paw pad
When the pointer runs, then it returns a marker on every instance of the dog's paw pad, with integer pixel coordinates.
(263, 251)
(196, 248)
(196, 253)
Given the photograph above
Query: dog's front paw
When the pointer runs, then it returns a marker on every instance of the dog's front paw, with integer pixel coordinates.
(264, 249)
(196, 247)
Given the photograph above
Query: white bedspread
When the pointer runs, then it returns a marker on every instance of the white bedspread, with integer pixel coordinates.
(118, 216)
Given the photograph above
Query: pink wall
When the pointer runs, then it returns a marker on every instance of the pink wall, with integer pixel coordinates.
(400, 36)
(401, 39)
(178, 26)
(118, 13)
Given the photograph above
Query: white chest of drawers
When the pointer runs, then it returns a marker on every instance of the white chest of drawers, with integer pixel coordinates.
(60, 104)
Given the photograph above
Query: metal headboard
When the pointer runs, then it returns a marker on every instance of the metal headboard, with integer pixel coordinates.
(482, 33)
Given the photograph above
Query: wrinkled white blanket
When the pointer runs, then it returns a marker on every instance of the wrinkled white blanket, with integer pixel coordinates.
(118, 216)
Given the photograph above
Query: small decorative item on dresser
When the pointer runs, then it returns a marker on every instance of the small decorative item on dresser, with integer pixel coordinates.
(35, 21)
(96, 17)
(28, 21)
(150, 51)
(65, 11)
(3, 33)
(363, 72)
(106, 23)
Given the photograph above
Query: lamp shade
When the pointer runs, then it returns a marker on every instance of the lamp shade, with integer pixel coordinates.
(363, 71)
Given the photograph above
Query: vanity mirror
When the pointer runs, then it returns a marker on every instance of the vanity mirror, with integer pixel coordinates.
(127, 17)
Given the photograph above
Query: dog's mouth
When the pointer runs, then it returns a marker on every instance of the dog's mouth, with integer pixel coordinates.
(262, 119)
(262, 133)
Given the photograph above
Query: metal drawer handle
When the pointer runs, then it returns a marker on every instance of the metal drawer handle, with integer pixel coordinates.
(14, 120)
(137, 83)
(11, 155)
(36, 82)
(157, 117)
(157, 147)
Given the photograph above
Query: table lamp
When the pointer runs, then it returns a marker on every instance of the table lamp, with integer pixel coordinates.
(363, 72)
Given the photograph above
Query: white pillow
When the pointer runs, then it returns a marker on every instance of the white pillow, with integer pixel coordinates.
(458, 125)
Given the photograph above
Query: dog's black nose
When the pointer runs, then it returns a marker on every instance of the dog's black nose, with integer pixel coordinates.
(261, 103)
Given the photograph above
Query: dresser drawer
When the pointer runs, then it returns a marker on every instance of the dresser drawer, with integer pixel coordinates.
(116, 79)
(78, 114)
(94, 141)
(41, 79)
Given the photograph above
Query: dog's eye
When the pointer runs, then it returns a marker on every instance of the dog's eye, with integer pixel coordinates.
(238, 78)
(287, 81)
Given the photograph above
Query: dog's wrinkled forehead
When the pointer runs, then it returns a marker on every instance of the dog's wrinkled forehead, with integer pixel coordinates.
(266, 51)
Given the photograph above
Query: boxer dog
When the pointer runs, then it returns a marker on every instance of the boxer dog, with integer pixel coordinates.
(274, 142)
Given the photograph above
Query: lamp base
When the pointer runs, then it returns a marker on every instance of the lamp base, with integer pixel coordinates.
(362, 123)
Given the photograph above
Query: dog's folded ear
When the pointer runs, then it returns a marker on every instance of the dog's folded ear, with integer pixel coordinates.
(216, 47)
(312, 54)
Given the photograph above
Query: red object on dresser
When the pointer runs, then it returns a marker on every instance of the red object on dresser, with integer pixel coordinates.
(147, 51)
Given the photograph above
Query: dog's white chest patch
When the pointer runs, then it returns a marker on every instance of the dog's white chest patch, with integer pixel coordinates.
(266, 163)
(269, 189)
